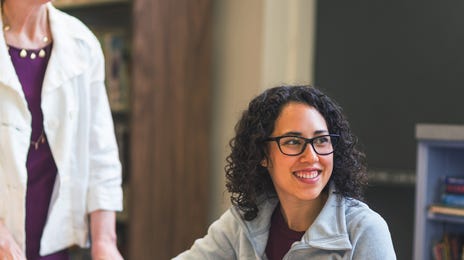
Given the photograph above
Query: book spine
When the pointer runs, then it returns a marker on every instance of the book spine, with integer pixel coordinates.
(454, 180)
(446, 210)
(453, 199)
(454, 188)
(438, 251)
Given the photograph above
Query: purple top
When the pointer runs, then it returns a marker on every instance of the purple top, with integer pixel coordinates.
(41, 168)
(280, 237)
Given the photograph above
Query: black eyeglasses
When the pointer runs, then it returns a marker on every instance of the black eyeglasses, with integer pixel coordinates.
(295, 145)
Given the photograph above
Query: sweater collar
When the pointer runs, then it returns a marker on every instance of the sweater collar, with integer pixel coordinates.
(328, 232)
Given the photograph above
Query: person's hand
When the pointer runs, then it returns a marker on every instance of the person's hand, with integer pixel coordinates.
(9, 249)
(102, 229)
(105, 250)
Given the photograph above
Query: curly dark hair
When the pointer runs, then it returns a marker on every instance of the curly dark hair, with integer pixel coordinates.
(248, 180)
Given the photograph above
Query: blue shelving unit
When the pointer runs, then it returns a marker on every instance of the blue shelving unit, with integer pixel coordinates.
(440, 153)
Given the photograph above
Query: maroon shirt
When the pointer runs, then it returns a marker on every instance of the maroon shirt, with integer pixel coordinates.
(41, 168)
(280, 237)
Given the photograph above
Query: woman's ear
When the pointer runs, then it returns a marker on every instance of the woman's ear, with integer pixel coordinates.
(264, 162)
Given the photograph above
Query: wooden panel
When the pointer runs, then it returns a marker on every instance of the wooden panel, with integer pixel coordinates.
(170, 126)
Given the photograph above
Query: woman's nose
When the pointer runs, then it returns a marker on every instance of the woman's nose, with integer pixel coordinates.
(309, 154)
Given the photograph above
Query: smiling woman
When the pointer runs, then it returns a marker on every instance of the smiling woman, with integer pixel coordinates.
(291, 200)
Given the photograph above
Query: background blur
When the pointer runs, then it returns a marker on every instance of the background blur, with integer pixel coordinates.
(193, 66)
(390, 65)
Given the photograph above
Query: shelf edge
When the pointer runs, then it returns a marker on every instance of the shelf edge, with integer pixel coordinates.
(440, 132)
(70, 4)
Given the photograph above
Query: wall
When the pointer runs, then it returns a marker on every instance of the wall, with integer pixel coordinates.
(256, 44)
(392, 64)
(237, 30)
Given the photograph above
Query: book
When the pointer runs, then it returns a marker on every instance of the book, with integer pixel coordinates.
(449, 247)
(455, 245)
(453, 184)
(116, 49)
(438, 251)
(454, 188)
(122, 135)
(453, 199)
(454, 180)
(446, 210)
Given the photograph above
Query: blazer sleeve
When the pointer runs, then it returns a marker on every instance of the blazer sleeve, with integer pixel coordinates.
(105, 191)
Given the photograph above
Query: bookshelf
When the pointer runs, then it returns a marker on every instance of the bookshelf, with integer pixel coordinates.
(440, 153)
(110, 21)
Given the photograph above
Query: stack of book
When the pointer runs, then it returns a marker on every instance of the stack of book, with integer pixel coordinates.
(449, 248)
(452, 198)
(116, 48)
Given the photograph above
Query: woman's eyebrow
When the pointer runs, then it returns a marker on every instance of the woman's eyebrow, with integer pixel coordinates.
(295, 133)
(317, 132)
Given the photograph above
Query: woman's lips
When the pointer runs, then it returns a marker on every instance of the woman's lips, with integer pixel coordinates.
(308, 177)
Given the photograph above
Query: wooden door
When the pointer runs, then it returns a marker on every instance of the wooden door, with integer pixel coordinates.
(170, 126)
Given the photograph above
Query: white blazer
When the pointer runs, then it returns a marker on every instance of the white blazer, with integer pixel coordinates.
(79, 129)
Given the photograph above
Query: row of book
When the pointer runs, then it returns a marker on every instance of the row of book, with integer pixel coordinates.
(116, 49)
(452, 198)
(451, 247)
(122, 138)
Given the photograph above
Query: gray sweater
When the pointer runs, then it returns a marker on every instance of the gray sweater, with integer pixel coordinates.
(344, 229)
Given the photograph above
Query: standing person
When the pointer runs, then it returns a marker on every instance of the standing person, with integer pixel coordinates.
(59, 165)
(295, 178)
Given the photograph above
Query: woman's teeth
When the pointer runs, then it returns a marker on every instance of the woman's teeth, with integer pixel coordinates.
(307, 175)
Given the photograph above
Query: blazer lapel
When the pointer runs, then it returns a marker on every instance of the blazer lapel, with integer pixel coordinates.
(66, 60)
(7, 72)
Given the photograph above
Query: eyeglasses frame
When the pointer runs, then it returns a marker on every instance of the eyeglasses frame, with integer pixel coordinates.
(306, 141)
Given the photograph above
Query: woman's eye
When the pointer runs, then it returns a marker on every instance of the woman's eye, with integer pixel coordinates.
(322, 140)
(292, 141)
